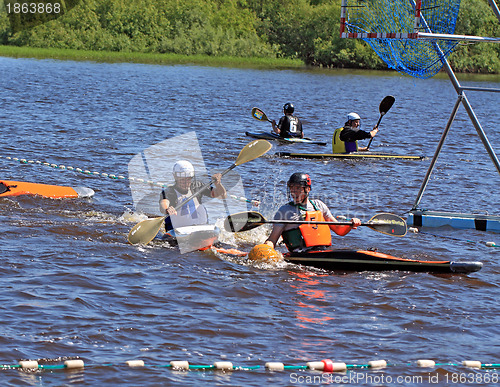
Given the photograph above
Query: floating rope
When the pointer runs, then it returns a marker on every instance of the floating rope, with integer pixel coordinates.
(80, 170)
(253, 202)
(325, 365)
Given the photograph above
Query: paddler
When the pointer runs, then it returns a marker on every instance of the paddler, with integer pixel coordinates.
(345, 139)
(193, 212)
(300, 237)
(288, 125)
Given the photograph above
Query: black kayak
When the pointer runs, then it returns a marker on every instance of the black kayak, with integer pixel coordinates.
(361, 260)
(353, 155)
(288, 140)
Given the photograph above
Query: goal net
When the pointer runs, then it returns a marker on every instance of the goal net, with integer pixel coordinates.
(392, 29)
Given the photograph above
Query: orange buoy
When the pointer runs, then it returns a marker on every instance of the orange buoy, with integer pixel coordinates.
(264, 252)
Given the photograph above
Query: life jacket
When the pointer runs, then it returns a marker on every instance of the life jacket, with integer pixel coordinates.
(339, 146)
(191, 213)
(308, 235)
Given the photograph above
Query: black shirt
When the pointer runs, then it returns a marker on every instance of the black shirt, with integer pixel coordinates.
(290, 126)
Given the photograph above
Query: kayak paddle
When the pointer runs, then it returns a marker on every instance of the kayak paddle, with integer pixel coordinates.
(384, 223)
(259, 115)
(383, 108)
(146, 230)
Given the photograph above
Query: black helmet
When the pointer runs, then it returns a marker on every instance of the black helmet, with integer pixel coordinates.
(288, 108)
(298, 178)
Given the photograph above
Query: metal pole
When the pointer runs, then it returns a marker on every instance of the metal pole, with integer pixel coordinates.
(494, 7)
(436, 154)
(480, 89)
(468, 38)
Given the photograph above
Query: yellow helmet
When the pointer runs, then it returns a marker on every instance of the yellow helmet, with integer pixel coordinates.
(263, 252)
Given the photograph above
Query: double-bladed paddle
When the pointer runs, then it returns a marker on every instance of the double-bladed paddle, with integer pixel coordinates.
(383, 108)
(384, 223)
(146, 230)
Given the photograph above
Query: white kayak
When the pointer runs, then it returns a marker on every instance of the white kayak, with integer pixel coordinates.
(190, 238)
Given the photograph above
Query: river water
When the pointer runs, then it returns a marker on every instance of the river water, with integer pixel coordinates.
(72, 287)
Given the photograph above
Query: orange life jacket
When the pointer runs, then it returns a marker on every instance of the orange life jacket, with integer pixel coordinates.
(315, 234)
(308, 235)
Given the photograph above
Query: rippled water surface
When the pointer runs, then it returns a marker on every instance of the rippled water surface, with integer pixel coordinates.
(72, 287)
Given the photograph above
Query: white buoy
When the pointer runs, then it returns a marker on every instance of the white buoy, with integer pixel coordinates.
(135, 363)
(413, 229)
(180, 364)
(275, 366)
(491, 244)
(76, 363)
(377, 364)
(425, 363)
(28, 364)
(224, 365)
(471, 364)
(338, 367)
(315, 365)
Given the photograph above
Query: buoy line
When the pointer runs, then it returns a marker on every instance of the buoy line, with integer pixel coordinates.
(325, 365)
(79, 170)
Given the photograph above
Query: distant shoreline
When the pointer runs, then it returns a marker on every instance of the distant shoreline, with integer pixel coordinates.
(204, 60)
(148, 58)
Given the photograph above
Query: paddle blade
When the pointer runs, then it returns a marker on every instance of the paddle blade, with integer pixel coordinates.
(144, 231)
(389, 224)
(243, 221)
(259, 114)
(252, 150)
(386, 104)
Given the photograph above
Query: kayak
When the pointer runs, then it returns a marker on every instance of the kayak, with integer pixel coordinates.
(190, 238)
(361, 260)
(353, 155)
(199, 237)
(288, 140)
(16, 188)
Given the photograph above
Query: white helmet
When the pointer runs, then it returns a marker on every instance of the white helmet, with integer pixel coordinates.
(353, 116)
(183, 168)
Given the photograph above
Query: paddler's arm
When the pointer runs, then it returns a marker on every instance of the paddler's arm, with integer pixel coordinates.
(345, 229)
(166, 208)
(275, 235)
(219, 191)
(371, 134)
(276, 129)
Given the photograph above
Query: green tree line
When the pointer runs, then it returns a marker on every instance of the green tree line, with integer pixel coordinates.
(307, 30)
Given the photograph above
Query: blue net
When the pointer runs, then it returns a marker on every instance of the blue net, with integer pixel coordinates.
(416, 57)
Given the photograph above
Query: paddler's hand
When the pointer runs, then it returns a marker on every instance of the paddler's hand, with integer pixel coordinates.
(374, 131)
(355, 223)
(171, 211)
(275, 128)
(217, 177)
